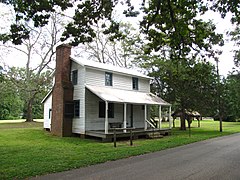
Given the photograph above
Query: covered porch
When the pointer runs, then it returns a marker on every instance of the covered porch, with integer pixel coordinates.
(130, 99)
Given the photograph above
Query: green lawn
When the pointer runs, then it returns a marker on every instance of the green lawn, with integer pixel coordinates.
(29, 150)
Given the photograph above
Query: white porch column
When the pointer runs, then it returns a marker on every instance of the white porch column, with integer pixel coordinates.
(169, 117)
(160, 117)
(145, 117)
(106, 117)
(125, 117)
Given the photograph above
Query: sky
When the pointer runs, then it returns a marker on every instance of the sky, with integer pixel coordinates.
(226, 59)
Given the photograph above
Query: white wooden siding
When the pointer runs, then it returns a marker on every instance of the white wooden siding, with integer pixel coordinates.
(144, 85)
(96, 77)
(78, 125)
(47, 107)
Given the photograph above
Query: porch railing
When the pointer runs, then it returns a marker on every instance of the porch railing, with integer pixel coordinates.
(152, 123)
(115, 135)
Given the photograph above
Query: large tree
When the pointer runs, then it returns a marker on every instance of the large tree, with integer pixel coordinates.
(189, 85)
(38, 51)
(104, 49)
(179, 39)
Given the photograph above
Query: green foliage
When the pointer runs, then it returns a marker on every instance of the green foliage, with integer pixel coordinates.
(11, 104)
(186, 84)
(16, 92)
(89, 13)
(231, 103)
(172, 24)
(27, 152)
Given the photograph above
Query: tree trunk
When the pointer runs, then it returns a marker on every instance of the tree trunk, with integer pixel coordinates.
(29, 117)
(183, 123)
(189, 127)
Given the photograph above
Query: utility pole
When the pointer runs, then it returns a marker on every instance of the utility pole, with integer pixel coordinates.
(219, 98)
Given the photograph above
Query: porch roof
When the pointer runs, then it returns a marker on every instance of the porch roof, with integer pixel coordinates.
(124, 96)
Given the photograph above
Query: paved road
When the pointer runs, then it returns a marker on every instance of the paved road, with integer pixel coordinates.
(217, 158)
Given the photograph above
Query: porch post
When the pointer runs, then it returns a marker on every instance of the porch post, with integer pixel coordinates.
(169, 117)
(106, 117)
(145, 117)
(125, 117)
(160, 117)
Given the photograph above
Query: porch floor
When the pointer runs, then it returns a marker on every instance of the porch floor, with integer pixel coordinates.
(139, 132)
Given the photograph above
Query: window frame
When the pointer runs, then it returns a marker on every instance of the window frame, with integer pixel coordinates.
(108, 79)
(76, 111)
(75, 77)
(50, 113)
(135, 84)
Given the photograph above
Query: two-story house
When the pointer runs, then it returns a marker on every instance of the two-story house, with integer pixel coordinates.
(89, 98)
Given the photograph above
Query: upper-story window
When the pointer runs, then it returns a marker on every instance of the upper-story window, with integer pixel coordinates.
(108, 79)
(135, 83)
(75, 77)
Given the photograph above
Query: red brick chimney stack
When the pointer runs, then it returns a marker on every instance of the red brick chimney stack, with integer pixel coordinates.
(62, 92)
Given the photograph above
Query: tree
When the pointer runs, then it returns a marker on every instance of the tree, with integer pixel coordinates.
(231, 97)
(79, 30)
(40, 47)
(88, 13)
(187, 85)
(30, 91)
(179, 39)
(117, 52)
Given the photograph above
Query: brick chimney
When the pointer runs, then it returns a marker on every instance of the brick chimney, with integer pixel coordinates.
(61, 125)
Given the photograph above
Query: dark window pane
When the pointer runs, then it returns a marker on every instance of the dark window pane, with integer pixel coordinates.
(108, 79)
(76, 108)
(49, 113)
(135, 83)
(69, 109)
(102, 110)
(75, 77)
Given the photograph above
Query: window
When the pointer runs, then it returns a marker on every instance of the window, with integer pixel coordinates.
(135, 83)
(69, 109)
(108, 79)
(49, 113)
(102, 109)
(72, 109)
(75, 77)
(76, 108)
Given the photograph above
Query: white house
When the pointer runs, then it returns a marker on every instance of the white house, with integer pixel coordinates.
(104, 96)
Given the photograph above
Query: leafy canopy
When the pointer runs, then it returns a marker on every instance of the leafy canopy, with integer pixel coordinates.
(88, 13)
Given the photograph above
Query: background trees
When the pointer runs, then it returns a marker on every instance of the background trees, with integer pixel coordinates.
(11, 103)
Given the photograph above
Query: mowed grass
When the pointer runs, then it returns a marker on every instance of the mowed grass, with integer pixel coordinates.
(27, 150)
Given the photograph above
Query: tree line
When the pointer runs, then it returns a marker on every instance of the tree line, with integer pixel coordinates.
(15, 93)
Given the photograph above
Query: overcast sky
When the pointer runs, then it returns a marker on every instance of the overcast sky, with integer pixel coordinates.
(226, 59)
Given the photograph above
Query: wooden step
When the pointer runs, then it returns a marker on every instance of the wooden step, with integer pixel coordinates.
(154, 135)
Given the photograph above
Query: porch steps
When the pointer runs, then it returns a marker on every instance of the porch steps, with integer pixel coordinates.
(154, 135)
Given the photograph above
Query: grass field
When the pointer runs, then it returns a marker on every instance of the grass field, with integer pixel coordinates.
(27, 150)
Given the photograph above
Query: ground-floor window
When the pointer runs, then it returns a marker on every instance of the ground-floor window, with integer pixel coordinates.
(102, 109)
(76, 108)
(49, 113)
